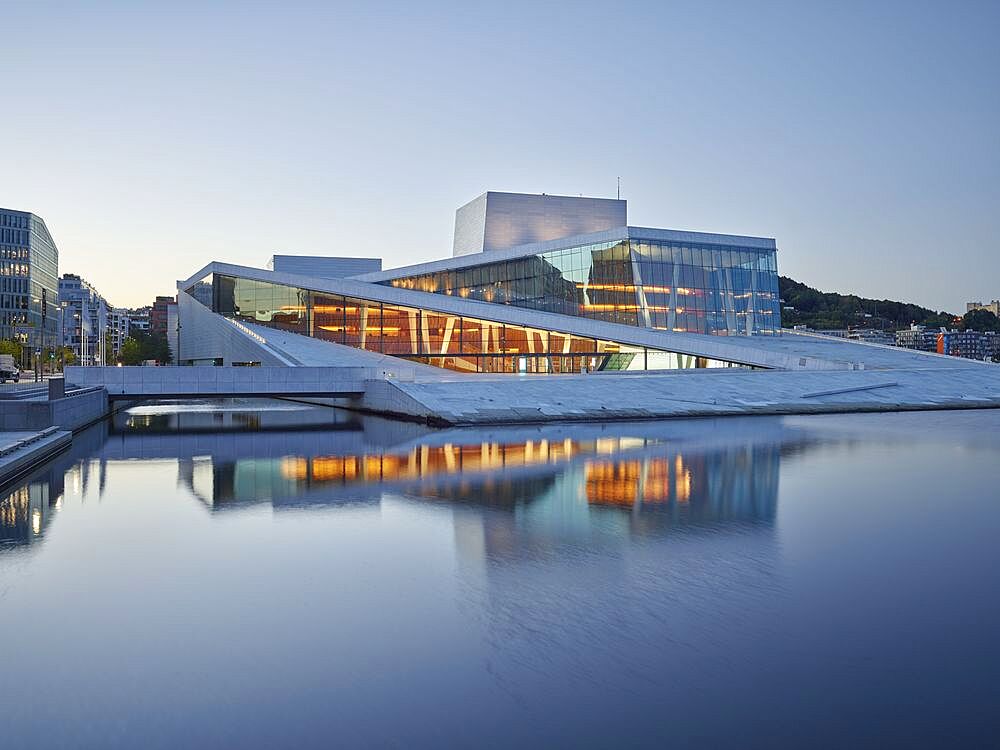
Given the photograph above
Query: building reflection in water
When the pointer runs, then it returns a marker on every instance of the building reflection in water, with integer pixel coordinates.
(25, 511)
(631, 479)
(647, 483)
(485, 472)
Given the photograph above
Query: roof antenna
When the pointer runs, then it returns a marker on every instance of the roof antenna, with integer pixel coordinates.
(619, 188)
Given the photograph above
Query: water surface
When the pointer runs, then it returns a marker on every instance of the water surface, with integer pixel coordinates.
(262, 574)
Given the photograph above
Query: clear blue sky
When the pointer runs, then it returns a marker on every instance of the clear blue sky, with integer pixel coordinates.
(154, 137)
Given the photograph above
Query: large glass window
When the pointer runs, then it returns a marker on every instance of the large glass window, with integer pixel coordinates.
(453, 342)
(676, 286)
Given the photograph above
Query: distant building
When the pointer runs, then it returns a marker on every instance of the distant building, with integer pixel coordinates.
(873, 336)
(84, 320)
(119, 326)
(29, 272)
(139, 318)
(158, 315)
(991, 345)
(993, 307)
(917, 337)
(840, 333)
(967, 344)
(866, 335)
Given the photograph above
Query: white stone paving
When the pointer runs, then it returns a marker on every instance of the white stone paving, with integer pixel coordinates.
(789, 351)
(893, 380)
(600, 397)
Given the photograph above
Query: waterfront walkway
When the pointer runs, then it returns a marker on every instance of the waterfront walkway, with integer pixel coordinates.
(454, 399)
(690, 393)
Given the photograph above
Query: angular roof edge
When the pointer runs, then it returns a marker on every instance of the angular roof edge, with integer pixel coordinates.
(609, 235)
(747, 350)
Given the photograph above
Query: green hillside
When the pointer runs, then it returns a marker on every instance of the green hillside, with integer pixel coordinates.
(826, 310)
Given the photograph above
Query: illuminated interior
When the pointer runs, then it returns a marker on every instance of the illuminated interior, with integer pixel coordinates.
(460, 343)
(674, 286)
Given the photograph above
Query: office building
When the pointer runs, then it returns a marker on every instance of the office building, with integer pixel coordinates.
(29, 272)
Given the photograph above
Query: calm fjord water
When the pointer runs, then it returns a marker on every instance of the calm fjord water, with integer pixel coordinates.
(262, 574)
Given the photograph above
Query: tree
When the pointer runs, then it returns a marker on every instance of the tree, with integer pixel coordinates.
(7, 346)
(66, 355)
(826, 310)
(980, 320)
(131, 352)
(142, 345)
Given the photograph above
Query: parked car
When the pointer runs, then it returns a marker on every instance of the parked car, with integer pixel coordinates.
(9, 369)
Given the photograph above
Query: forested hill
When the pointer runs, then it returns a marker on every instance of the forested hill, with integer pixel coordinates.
(826, 310)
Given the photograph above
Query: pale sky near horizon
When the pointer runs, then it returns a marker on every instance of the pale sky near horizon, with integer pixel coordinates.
(155, 137)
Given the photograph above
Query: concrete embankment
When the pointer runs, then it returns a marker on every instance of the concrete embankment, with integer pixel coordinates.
(38, 422)
(599, 397)
(71, 411)
(23, 450)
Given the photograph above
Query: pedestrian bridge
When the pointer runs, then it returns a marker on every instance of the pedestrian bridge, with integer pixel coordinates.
(228, 382)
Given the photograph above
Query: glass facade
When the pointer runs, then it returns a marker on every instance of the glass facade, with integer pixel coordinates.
(453, 342)
(651, 282)
(29, 297)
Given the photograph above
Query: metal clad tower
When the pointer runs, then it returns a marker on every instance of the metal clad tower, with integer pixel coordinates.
(495, 221)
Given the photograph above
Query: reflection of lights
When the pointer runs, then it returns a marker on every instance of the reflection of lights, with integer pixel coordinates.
(607, 287)
(682, 480)
(356, 329)
(36, 521)
(427, 460)
(612, 482)
(607, 445)
(294, 468)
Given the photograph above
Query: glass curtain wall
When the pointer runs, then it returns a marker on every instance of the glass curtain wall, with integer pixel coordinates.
(453, 342)
(29, 297)
(671, 286)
